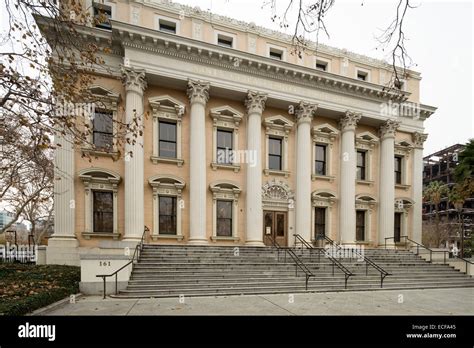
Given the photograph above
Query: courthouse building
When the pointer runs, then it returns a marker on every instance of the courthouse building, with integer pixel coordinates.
(243, 139)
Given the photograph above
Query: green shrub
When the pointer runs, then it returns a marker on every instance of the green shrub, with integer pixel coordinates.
(25, 288)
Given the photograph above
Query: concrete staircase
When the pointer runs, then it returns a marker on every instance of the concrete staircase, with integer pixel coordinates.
(171, 271)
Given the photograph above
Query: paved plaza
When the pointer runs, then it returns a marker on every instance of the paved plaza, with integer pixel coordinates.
(458, 301)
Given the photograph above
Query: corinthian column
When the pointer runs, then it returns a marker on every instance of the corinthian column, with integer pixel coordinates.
(417, 185)
(135, 84)
(255, 103)
(387, 180)
(198, 93)
(347, 226)
(62, 246)
(304, 116)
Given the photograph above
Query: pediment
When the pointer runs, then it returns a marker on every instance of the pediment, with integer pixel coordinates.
(278, 121)
(367, 136)
(166, 102)
(226, 110)
(102, 92)
(325, 128)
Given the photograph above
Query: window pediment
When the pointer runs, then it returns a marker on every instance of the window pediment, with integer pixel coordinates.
(323, 198)
(402, 204)
(166, 181)
(225, 189)
(365, 201)
(366, 140)
(102, 92)
(164, 105)
(99, 175)
(325, 133)
(403, 148)
(279, 124)
(226, 116)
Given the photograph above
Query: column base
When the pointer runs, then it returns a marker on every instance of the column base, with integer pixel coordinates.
(258, 243)
(198, 242)
(63, 250)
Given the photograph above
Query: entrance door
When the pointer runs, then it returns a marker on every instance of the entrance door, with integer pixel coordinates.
(275, 224)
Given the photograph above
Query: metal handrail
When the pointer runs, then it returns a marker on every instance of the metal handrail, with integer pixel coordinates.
(418, 245)
(368, 261)
(335, 262)
(298, 262)
(137, 252)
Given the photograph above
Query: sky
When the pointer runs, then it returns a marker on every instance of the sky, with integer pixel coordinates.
(440, 43)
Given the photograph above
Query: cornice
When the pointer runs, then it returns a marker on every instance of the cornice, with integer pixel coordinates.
(207, 54)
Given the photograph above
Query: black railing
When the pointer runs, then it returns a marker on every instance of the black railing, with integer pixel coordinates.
(136, 254)
(298, 262)
(431, 251)
(335, 262)
(383, 273)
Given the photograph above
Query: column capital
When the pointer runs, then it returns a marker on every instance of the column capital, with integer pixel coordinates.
(305, 111)
(198, 91)
(133, 79)
(255, 102)
(389, 129)
(418, 139)
(349, 120)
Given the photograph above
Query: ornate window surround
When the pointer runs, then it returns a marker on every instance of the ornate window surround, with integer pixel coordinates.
(225, 118)
(367, 203)
(107, 100)
(403, 149)
(167, 185)
(324, 134)
(403, 205)
(99, 179)
(224, 190)
(367, 141)
(322, 199)
(279, 127)
(167, 113)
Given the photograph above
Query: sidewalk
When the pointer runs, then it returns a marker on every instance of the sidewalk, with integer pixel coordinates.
(459, 301)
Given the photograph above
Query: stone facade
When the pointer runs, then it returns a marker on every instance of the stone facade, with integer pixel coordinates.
(186, 78)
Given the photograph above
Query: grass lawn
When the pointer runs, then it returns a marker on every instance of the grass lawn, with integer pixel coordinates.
(24, 288)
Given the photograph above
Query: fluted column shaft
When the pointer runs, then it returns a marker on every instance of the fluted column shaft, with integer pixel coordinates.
(255, 104)
(387, 181)
(64, 199)
(304, 116)
(198, 93)
(347, 218)
(135, 85)
(417, 185)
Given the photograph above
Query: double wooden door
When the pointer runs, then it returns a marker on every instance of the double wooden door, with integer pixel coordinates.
(275, 224)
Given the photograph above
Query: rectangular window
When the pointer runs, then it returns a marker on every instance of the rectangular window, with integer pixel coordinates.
(320, 65)
(103, 211)
(102, 15)
(361, 168)
(320, 222)
(167, 143)
(102, 132)
(360, 225)
(224, 146)
(362, 75)
(398, 227)
(167, 215)
(320, 159)
(224, 218)
(398, 170)
(276, 54)
(167, 26)
(225, 41)
(274, 153)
